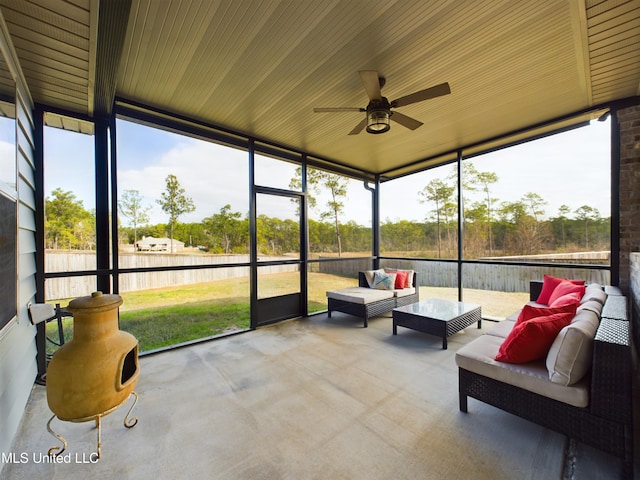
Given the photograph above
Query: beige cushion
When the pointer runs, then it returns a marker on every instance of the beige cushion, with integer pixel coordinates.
(594, 292)
(410, 277)
(514, 316)
(591, 305)
(569, 357)
(369, 274)
(361, 295)
(404, 292)
(501, 329)
(478, 356)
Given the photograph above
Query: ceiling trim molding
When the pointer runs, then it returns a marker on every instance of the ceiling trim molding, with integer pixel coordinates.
(11, 59)
(93, 47)
(113, 18)
(581, 38)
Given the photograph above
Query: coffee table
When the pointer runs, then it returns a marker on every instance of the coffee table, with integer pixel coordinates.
(437, 317)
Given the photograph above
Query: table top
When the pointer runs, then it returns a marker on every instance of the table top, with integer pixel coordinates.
(438, 309)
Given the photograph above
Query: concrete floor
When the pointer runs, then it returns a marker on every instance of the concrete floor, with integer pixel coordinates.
(318, 398)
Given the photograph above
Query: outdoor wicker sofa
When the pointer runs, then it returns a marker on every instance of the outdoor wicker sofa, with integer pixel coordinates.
(365, 302)
(605, 422)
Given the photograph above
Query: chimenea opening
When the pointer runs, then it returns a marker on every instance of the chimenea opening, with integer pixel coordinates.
(129, 366)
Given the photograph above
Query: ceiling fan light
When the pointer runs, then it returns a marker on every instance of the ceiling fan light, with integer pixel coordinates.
(378, 121)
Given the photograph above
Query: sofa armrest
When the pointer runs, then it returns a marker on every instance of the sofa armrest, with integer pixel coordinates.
(535, 287)
(611, 373)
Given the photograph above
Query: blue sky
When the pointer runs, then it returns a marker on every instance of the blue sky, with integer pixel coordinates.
(7, 152)
(570, 168)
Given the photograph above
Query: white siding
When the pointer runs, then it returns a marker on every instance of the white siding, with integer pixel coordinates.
(18, 366)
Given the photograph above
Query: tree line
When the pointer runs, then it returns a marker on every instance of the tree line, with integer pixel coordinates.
(491, 227)
(497, 228)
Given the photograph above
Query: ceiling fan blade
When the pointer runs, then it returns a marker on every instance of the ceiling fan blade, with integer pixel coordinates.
(359, 127)
(339, 109)
(405, 121)
(426, 94)
(371, 82)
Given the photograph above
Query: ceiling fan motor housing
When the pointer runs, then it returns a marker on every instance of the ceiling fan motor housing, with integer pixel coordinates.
(378, 115)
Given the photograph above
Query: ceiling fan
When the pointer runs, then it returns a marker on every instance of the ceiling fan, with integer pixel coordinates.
(379, 108)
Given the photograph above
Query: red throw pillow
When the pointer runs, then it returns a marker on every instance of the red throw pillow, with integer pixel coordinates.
(529, 311)
(565, 287)
(401, 279)
(532, 339)
(568, 299)
(549, 285)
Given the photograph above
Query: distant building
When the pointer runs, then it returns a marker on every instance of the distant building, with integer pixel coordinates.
(151, 244)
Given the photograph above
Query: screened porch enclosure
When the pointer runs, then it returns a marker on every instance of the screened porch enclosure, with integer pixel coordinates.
(142, 143)
(268, 231)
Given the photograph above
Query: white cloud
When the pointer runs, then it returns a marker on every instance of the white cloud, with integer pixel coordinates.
(571, 168)
(211, 175)
(7, 163)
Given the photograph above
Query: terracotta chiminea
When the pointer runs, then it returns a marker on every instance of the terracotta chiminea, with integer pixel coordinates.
(94, 373)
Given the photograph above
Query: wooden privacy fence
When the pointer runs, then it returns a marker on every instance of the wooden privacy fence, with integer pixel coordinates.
(71, 287)
(495, 277)
(345, 267)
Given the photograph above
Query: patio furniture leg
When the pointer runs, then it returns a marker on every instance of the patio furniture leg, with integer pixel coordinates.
(463, 402)
(55, 451)
(99, 437)
(131, 422)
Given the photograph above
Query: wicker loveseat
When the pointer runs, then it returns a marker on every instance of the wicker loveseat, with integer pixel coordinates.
(366, 302)
(603, 416)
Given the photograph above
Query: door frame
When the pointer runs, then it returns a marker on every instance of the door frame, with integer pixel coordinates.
(269, 310)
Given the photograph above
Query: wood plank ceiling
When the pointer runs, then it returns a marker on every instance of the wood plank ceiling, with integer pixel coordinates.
(260, 67)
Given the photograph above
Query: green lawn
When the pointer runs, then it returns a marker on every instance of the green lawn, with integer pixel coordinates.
(168, 316)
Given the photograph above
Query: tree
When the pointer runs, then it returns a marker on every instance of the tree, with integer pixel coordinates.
(440, 193)
(475, 231)
(472, 177)
(224, 225)
(584, 214)
(534, 203)
(319, 181)
(130, 205)
(563, 211)
(68, 224)
(276, 236)
(400, 236)
(513, 216)
(175, 203)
